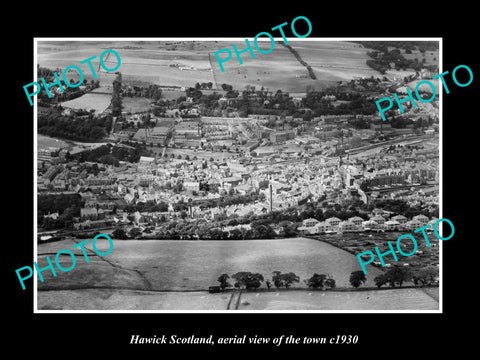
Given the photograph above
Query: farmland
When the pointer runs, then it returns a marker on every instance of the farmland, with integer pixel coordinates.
(195, 265)
(184, 63)
(173, 275)
(293, 300)
(97, 102)
(334, 60)
(400, 299)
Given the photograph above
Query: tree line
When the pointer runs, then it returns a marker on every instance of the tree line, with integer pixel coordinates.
(357, 103)
(66, 205)
(108, 154)
(396, 276)
(301, 61)
(86, 128)
(68, 93)
(249, 280)
(116, 103)
(278, 223)
(152, 91)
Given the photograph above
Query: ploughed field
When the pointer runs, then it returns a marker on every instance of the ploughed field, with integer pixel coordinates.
(151, 274)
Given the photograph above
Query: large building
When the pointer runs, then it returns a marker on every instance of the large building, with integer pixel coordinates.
(281, 136)
(187, 133)
(157, 135)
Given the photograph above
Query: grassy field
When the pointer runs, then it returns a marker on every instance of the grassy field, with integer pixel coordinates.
(196, 265)
(424, 87)
(162, 63)
(399, 299)
(108, 299)
(172, 94)
(44, 142)
(291, 300)
(173, 275)
(134, 105)
(334, 60)
(97, 102)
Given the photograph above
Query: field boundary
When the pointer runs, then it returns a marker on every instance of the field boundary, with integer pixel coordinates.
(215, 85)
(233, 291)
(297, 56)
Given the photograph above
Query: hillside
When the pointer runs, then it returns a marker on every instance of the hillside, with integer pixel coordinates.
(183, 63)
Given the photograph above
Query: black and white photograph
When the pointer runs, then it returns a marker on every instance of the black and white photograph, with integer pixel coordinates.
(220, 180)
(246, 186)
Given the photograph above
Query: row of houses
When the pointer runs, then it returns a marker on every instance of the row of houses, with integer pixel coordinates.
(357, 224)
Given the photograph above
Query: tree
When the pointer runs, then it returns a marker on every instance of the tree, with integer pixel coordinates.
(357, 278)
(263, 231)
(380, 280)
(268, 283)
(316, 281)
(284, 280)
(394, 276)
(235, 234)
(120, 234)
(248, 280)
(223, 280)
(276, 279)
(330, 282)
(398, 275)
(288, 229)
(183, 214)
(289, 279)
(135, 233)
(425, 275)
(116, 96)
(226, 87)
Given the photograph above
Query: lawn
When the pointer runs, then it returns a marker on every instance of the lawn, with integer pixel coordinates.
(97, 102)
(135, 105)
(44, 142)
